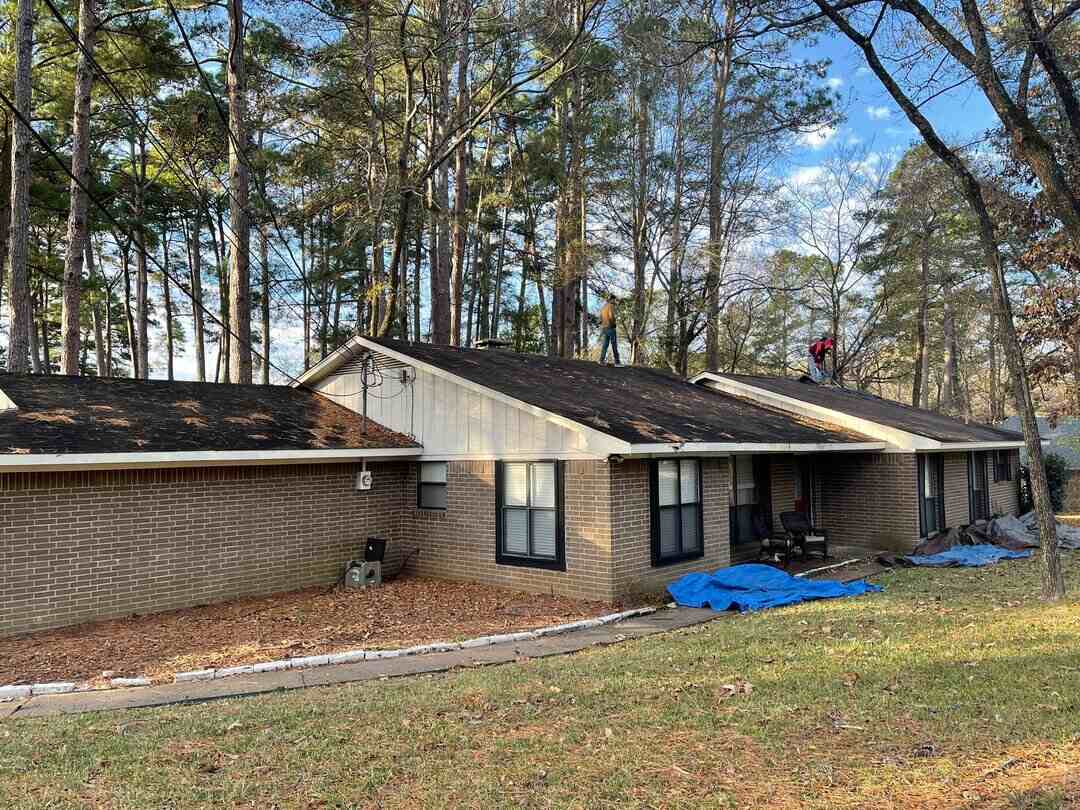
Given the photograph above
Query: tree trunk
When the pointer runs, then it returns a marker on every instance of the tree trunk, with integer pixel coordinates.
(721, 69)
(99, 338)
(80, 167)
(129, 317)
(461, 184)
(948, 329)
(141, 348)
(920, 391)
(36, 316)
(643, 158)
(5, 197)
(674, 308)
(198, 324)
(416, 278)
(264, 256)
(239, 221)
(166, 296)
(21, 308)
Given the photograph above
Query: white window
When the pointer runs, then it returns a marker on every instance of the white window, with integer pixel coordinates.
(431, 485)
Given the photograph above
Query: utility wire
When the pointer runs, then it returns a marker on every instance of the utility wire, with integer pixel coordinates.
(109, 215)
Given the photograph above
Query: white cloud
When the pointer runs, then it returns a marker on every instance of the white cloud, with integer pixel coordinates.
(878, 113)
(806, 175)
(862, 70)
(818, 138)
(835, 82)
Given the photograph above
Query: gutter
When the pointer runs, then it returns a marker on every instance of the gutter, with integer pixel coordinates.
(729, 448)
(49, 462)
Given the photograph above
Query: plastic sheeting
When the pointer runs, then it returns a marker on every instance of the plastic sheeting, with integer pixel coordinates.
(756, 587)
(967, 556)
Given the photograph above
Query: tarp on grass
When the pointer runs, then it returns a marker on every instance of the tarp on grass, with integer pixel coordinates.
(755, 587)
(967, 556)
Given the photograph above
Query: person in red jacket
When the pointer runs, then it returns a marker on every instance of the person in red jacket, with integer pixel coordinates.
(819, 351)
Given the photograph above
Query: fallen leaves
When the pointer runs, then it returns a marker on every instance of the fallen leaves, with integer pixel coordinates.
(314, 621)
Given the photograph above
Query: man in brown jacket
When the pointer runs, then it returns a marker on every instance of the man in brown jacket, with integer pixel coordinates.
(608, 331)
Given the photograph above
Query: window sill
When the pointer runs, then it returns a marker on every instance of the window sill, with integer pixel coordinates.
(663, 562)
(530, 562)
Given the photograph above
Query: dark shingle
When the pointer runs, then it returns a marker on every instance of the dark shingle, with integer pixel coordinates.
(633, 403)
(59, 414)
(883, 411)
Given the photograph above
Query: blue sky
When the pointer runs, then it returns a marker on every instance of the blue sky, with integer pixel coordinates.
(873, 118)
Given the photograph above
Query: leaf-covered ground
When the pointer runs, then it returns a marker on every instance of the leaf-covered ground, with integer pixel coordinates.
(315, 621)
(954, 688)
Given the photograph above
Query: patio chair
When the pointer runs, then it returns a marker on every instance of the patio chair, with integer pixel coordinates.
(774, 545)
(804, 535)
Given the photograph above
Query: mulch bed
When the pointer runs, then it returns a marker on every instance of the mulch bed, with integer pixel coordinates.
(314, 621)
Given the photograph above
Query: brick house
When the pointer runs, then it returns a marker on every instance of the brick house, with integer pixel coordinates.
(642, 476)
(536, 473)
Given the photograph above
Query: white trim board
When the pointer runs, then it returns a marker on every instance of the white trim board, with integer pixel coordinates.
(7, 403)
(606, 444)
(41, 462)
(900, 439)
(729, 448)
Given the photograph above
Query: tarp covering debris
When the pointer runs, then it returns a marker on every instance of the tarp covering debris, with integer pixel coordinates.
(983, 542)
(756, 587)
(967, 556)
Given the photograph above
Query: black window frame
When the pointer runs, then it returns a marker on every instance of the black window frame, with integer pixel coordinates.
(938, 459)
(978, 500)
(1003, 462)
(421, 484)
(558, 563)
(658, 558)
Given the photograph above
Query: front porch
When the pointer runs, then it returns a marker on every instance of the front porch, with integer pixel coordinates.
(864, 502)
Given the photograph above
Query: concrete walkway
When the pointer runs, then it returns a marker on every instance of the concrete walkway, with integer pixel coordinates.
(110, 699)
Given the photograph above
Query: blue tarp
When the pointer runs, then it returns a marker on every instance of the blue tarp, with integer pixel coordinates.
(754, 587)
(972, 556)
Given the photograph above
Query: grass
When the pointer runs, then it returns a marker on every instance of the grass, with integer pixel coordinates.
(954, 688)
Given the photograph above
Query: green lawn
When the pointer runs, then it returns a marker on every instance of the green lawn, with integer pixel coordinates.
(951, 689)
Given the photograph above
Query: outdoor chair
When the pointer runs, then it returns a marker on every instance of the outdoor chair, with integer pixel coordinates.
(774, 545)
(803, 535)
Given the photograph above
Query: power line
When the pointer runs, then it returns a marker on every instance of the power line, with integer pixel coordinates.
(92, 198)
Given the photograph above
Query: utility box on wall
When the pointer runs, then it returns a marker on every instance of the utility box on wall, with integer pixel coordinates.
(364, 480)
(363, 574)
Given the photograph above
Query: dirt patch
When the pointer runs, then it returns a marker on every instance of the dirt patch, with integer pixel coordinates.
(314, 621)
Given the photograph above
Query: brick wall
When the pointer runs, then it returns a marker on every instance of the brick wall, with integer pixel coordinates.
(869, 499)
(632, 533)
(79, 546)
(459, 543)
(782, 470)
(607, 530)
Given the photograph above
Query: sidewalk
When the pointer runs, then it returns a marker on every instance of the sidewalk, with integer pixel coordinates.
(254, 684)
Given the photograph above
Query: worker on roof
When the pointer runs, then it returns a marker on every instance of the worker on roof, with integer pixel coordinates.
(608, 331)
(819, 351)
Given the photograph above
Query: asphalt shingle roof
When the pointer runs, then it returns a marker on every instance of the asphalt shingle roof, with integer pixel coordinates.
(883, 411)
(637, 404)
(62, 414)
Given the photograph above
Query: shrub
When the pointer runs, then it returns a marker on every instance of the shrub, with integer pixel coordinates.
(1057, 476)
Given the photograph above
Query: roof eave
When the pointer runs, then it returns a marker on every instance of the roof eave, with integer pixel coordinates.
(899, 439)
(7, 403)
(735, 448)
(53, 462)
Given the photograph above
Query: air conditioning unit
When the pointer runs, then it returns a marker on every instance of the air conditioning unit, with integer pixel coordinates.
(364, 480)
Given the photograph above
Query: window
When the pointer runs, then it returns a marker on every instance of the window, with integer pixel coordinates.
(978, 492)
(431, 485)
(931, 493)
(529, 524)
(1003, 468)
(744, 485)
(677, 526)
